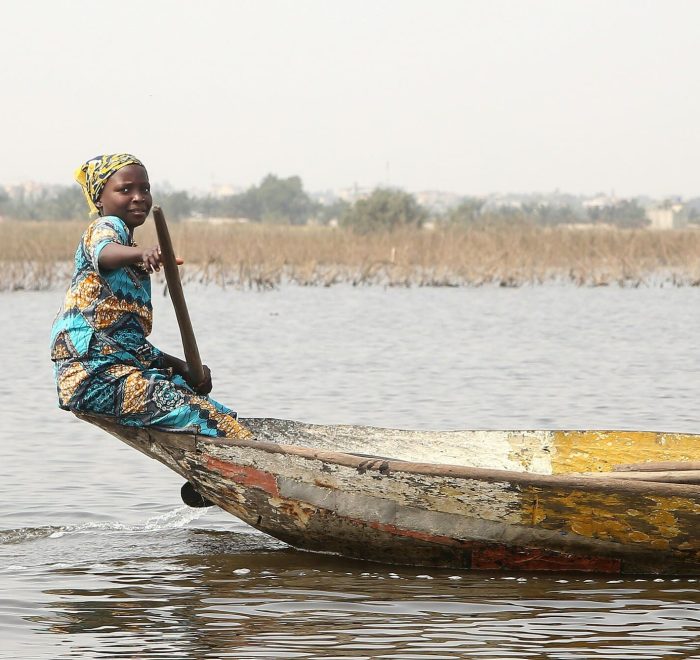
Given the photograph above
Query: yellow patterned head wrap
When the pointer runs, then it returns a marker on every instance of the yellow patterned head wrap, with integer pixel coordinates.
(92, 175)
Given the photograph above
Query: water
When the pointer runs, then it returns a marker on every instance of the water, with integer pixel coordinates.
(98, 557)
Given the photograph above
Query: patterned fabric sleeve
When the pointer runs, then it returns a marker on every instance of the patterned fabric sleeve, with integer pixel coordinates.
(156, 356)
(103, 232)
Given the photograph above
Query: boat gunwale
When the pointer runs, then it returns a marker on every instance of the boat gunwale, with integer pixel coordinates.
(386, 466)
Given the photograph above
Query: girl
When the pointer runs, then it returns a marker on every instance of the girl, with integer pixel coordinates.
(103, 362)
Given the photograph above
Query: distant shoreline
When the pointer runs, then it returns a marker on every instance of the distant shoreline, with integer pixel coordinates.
(38, 255)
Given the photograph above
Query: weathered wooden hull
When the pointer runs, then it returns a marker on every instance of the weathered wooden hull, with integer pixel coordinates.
(488, 500)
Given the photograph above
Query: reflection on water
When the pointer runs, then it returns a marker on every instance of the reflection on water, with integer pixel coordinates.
(98, 558)
(288, 604)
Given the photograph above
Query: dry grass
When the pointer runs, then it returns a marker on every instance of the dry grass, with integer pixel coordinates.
(37, 255)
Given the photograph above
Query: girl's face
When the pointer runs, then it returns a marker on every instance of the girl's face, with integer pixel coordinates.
(127, 194)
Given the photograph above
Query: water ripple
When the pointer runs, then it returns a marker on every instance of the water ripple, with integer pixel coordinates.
(174, 519)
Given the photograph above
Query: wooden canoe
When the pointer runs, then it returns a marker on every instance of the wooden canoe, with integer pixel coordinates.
(597, 501)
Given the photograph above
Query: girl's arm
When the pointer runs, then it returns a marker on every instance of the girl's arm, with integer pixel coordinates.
(115, 255)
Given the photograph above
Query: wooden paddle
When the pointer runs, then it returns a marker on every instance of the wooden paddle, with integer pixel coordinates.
(172, 277)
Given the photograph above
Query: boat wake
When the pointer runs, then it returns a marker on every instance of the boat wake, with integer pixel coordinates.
(175, 519)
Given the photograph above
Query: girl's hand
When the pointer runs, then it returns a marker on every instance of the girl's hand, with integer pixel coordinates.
(200, 388)
(152, 259)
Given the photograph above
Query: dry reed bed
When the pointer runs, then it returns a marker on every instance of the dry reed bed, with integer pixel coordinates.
(37, 255)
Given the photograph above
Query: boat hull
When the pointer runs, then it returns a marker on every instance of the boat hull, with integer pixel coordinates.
(427, 514)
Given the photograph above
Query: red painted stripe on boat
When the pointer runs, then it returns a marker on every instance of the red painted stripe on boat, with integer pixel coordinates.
(244, 475)
(421, 536)
(490, 557)
(501, 557)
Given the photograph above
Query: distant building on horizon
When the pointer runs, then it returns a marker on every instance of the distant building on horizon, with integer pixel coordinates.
(219, 190)
(668, 216)
(437, 200)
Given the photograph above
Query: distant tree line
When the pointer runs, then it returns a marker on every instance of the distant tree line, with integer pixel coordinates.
(473, 211)
(274, 200)
(284, 201)
(49, 203)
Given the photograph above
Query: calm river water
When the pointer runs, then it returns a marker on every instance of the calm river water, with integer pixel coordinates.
(99, 558)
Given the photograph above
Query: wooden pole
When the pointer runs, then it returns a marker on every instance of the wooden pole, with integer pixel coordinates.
(658, 466)
(172, 277)
(661, 476)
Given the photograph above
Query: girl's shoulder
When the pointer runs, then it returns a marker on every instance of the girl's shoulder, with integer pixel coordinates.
(107, 227)
(110, 221)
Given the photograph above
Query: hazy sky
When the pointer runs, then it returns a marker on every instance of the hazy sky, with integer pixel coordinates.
(468, 96)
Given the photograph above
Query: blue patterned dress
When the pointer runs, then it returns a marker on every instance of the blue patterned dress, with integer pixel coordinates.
(103, 363)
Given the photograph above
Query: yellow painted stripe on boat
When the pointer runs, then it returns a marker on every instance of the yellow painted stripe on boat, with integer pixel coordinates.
(660, 523)
(601, 451)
